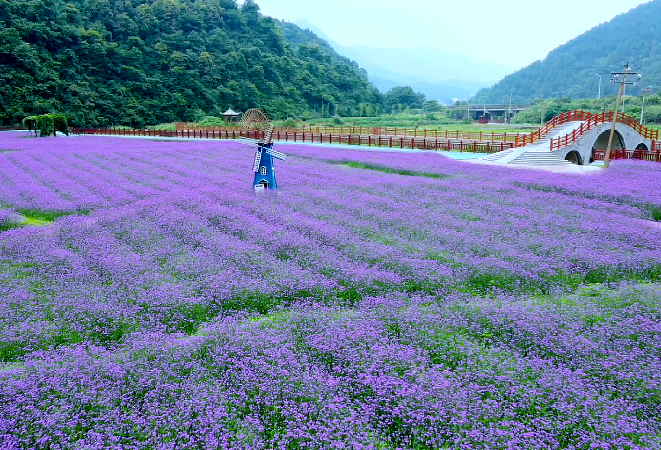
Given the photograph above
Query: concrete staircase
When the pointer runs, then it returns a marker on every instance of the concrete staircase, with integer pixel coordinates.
(536, 154)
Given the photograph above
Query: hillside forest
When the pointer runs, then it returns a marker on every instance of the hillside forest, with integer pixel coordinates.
(571, 70)
(142, 62)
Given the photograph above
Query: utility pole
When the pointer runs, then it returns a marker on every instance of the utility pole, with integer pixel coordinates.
(468, 109)
(599, 94)
(624, 99)
(616, 80)
(646, 91)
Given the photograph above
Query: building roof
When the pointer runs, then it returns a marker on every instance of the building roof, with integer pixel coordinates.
(230, 112)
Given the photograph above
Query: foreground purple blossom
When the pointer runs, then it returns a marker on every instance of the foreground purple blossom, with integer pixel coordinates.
(9, 218)
(380, 300)
(395, 372)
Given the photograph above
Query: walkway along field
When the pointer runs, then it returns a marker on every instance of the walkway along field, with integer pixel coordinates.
(477, 142)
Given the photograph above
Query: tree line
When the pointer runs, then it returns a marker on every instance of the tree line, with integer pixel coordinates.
(143, 62)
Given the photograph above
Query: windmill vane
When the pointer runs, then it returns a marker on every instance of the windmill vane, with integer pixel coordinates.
(257, 122)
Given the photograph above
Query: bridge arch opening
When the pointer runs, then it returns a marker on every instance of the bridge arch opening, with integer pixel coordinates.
(574, 157)
(642, 147)
(601, 144)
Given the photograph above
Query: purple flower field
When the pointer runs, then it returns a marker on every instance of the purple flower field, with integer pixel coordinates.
(150, 300)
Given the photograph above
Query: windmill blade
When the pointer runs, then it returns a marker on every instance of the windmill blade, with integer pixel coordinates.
(269, 135)
(258, 159)
(276, 154)
(248, 141)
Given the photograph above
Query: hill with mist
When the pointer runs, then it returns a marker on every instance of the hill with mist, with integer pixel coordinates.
(423, 68)
(142, 62)
(570, 70)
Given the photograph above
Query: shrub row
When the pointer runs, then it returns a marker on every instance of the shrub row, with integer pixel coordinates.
(47, 124)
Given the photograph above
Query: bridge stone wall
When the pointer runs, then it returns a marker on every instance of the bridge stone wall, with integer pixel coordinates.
(584, 144)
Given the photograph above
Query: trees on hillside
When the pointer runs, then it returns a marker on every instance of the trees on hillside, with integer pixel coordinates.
(142, 62)
(569, 70)
(405, 96)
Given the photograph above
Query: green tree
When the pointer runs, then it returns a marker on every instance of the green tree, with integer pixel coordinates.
(405, 96)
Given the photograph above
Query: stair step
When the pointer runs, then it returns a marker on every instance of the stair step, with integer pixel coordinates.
(539, 158)
(541, 163)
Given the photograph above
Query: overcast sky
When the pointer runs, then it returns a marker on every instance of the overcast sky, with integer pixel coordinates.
(518, 31)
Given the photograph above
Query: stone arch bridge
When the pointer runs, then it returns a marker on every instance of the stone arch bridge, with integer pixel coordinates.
(579, 137)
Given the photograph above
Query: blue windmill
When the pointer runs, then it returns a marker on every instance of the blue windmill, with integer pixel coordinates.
(256, 120)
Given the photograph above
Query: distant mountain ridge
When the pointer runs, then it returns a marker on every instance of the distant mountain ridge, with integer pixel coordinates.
(439, 75)
(571, 69)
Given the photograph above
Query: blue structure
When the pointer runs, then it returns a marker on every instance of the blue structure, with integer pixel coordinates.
(264, 168)
(255, 119)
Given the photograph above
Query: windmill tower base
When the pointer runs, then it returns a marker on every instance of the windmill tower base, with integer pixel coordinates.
(265, 172)
(255, 119)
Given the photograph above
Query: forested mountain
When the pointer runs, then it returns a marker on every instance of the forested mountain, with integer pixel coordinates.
(141, 62)
(570, 70)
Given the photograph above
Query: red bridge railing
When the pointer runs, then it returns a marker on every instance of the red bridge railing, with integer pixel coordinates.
(592, 120)
(643, 155)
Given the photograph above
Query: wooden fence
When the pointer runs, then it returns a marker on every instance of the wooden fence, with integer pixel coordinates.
(519, 139)
(643, 155)
(482, 142)
(483, 136)
(406, 142)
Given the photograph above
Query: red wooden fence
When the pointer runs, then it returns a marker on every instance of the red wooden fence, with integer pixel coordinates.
(375, 131)
(519, 139)
(483, 142)
(643, 155)
(407, 142)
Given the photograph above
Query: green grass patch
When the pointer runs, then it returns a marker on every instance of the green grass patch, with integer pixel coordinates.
(386, 169)
(656, 213)
(39, 216)
(30, 217)
(10, 225)
(31, 222)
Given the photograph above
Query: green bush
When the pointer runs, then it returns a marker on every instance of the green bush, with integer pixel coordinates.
(656, 214)
(652, 114)
(211, 121)
(337, 120)
(60, 123)
(46, 124)
(30, 123)
(289, 123)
